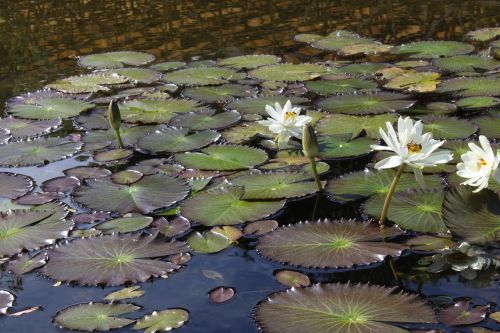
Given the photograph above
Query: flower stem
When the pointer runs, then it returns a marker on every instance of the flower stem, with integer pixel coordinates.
(312, 160)
(119, 138)
(388, 198)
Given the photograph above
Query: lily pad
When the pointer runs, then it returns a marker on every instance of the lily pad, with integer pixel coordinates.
(488, 126)
(449, 128)
(6, 301)
(342, 86)
(115, 59)
(412, 210)
(125, 293)
(94, 316)
(326, 243)
(257, 105)
(410, 81)
(223, 158)
(38, 151)
(202, 76)
(222, 93)
(130, 136)
(341, 146)
(126, 177)
(259, 228)
(433, 49)
(168, 66)
(23, 263)
(484, 34)
(161, 321)
(473, 86)
(89, 83)
(367, 68)
(226, 206)
(360, 104)
(173, 140)
(341, 308)
(145, 196)
(127, 223)
(25, 128)
(141, 75)
(289, 72)
(477, 102)
(459, 314)
(366, 183)
(367, 48)
(208, 242)
(172, 228)
(150, 111)
(49, 108)
(87, 172)
(206, 119)
(112, 155)
(430, 243)
(245, 132)
(292, 279)
(249, 61)
(466, 63)
(461, 206)
(13, 185)
(343, 124)
(111, 260)
(337, 40)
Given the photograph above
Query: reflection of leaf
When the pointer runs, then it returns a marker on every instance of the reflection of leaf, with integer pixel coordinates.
(214, 275)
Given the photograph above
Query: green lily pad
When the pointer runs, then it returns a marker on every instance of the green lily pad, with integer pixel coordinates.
(461, 206)
(150, 193)
(410, 81)
(275, 185)
(246, 132)
(155, 111)
(173, 140)
(257, 105)
(29, 229)
(13, 186)
(466, 63)
(206, 119)
(111, 260)
(361, 104)
(223, 93)
(473, 86)
(433, 49)
(341, 308)
(160, 321)
(342, 86)
(226, 206)
(326, 243)
(367, 48)
(126, 177)
(130, 136)
(449, 128)
(202, 76)
(172, 228)
(477, 102)
(24, 263)
(411, 210)
(115, 59)
(249, 61)
(49, 108)
(366, 183)
(141, 75)
(367, 68)
(208, 242)
(38, 151)
(89, 83)
(484, 34)
(292, 279)
(6, 301)
(337, 40)
(488, 126)
(222, 158)
(342, 146)
(168, 66)
(289, 72)
(125, 293)
(26, 128)
(112, 155)
(334, 124)
(127, 223)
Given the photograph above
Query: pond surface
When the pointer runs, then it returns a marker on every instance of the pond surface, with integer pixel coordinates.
(40, 42)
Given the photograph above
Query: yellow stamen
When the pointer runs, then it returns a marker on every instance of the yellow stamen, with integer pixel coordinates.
(290, 115)
(481, 163)
(414, 147)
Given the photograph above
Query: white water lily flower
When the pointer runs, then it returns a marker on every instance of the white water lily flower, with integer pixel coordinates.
(285, 122)
(479, 164)
(411, 148)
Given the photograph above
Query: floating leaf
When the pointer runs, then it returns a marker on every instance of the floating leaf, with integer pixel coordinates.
(466, 63)
(173, 140)
(14, 185)
(275, 185)
(259, 228)
(250, 61)
(115, 59)
(60, 184)
(23, 263)
(25, 128)
(366, 68)
(292, 278)
(365, 183)
(341, 308)
(461, 206)
(94, 316)
(222, 93)
(125, 293)
(473, 86)
(208, 242)
(223, 157)
(257, 105)
(459, 314)
(337, 40)
(111, 260)
(449, 128)
(429, 243)
(6, 301)
(321, 244)
(225, 206)
(128, 223)
(142, 75)
(130, 136)
(126, 177)
(206, 119)
(168, 66)
(477, 102)
(365, 48)
(342, 86)
(160, 321)
(172, 228)
(343, 124)
(366, 103)
(49, 108)
(488, 126)
(246, 132)
(341, 146)
(433, 49)
(420, 82)
(87, 172)
(38, 198)
(484, 34)
(232, 233)
(289, 72)
(221, 294)
(113, 155)
(417, 211)
(202, 76)
(89, 83)
(150, 111)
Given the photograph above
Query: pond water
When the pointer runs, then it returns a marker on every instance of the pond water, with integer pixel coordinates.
(40, 42)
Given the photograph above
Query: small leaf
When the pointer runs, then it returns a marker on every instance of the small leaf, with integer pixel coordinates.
(292, 278)
(125, 293)
(459, 314)
(160, 321)
(221, 294)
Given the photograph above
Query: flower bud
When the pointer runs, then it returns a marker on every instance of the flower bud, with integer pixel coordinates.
(309, 141)
(114, 116)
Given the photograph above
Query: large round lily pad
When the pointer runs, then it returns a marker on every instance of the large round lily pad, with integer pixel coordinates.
(341, 308)
(366, 103)
(173, 139)
(206, 119)
(246, 132)
(115, 59)
(334, 124)
(12, 185)
(144, 196)
(49, 108)
(111, 260)
(466, 63)
(130, 135)
(155, 111)
(250, 61)
(473, 86)
(226, 206)
(89, 83)
(342, 146)
(222, 158)
(289, 72)
(202, 76)
(140, 75)
(449, 128)
(257, 105)
(222, 93)
(342, 86)
(26, 128)
(321, 244)
(38, 151)
(433, 49)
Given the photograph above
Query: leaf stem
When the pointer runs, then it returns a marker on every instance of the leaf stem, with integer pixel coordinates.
(312, 160)
(119, 138)
(388, 198)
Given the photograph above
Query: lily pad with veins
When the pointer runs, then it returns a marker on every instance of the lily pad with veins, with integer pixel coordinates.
(14, 185)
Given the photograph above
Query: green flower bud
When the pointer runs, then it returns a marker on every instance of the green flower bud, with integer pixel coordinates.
(309, 141)
(114, 116)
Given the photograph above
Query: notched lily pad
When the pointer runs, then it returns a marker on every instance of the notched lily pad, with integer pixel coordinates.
(202, 76)
(115, 59)
(23, 263)
(289, 72)
(292, 278)
(335, 124)
(161, 321)
(466, 63)
(126, 223)
(112, 155)
(208, 242)
(342, 86)
(206, 119)
(473, 86)
(14, 185)
(361, 104)
(140, 75)
(257, 105)
(222, 93)
(125, 293)
(25, 128)
(250, 61)
(448, 128)
(173, 140)
(433, 49)
(459, 314)
(221, 294)
(149, 111)
(341, 146)
(48, 108)
(89, 83)
(484, 34)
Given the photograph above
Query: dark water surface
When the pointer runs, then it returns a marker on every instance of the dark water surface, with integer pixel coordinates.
(40, 39)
